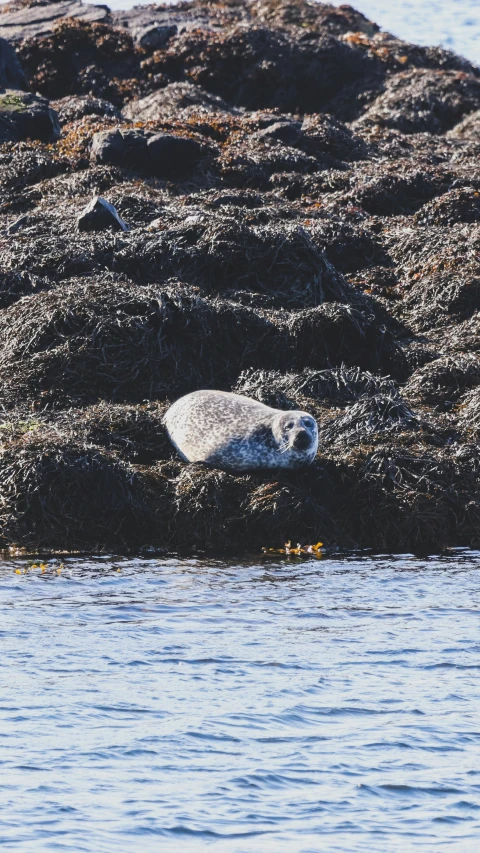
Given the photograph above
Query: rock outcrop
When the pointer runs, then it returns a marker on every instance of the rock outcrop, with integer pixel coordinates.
(268, 197)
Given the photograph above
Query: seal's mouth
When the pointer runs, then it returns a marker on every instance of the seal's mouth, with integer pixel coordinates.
(302, 440)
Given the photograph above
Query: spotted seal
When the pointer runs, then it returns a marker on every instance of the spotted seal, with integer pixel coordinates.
(236, 433)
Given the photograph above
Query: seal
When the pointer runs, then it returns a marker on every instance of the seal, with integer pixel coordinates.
(235, 433)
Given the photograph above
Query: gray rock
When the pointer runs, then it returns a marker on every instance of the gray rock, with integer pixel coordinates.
(171, 99)
(162, 155)
(26, 116)
(155, 36)
(28, 21)
(142, 16)
(117, 147)
(11, 72)
(98, 215)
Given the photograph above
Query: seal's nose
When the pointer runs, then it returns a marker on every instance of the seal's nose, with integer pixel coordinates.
(302, 440)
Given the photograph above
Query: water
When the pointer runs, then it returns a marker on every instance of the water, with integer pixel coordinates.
(454, 24)
(329, 705)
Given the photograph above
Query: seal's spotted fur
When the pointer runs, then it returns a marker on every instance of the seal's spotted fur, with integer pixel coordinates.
(236, 433)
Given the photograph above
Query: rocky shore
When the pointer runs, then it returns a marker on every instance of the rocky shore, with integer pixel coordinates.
(293, 213)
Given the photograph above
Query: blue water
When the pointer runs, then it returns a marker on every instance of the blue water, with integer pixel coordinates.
(454, 24)
(170, 705)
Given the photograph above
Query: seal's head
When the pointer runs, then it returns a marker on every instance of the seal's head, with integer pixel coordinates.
(296, 434)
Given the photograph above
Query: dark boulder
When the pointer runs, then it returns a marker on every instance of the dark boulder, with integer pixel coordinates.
(155, 36)
(163, 155)
(83, 342)
(257, 68)
(119, 148)
(169, 155)
(324, 134)
(334, 334)
(457, 205)
(82, 58)
(444, 380)
(100, 214)
(287, 132)
(11, 72)
(468, 128)
(58, 490)
(378, 413)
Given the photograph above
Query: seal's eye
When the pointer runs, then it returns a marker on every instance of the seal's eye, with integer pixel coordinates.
(290, 425)
(308, 422)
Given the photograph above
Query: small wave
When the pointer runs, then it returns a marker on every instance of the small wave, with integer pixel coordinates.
(410, 790)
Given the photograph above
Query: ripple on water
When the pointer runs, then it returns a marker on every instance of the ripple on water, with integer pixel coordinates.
(147, 704)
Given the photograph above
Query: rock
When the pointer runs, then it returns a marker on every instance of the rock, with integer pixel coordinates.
(154, 37)
(100, 214)
(310, 260)
(287, 132)
(170, 155)
(75, 107)
(119, 148)
(160, 154)
(27, 116)
(142, 17)
(441, 382)
(171, 99)
(35, 20)
(11, 73)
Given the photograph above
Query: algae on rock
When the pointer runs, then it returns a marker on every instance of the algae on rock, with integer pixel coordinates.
(302, 192)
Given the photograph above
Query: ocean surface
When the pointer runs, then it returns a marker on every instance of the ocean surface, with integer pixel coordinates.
(279, 705)
(454, 24)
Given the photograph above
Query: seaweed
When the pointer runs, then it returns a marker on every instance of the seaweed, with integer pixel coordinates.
(208, 511)
(370, 414)
(134, 433)
(440, 383)
(316, 246)
(222, 254)
(256, 67)
(421, 99)
(81, 58)
(58, 493)
(334, 334)
(333, 387)
(84, 342)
